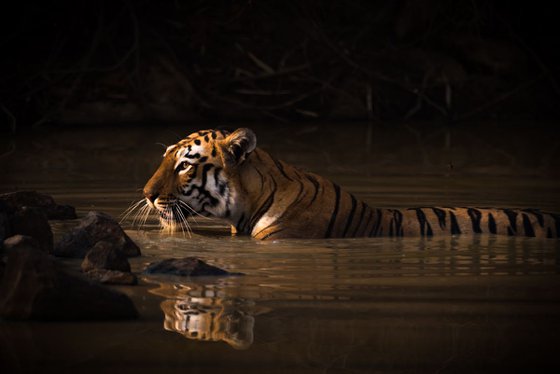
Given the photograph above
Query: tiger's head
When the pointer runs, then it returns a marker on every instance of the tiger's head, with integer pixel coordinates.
(198, 175)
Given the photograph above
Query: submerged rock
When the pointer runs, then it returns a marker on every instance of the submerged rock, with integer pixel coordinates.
(33, 222)
(188, 266)
(93, 228)
(19, 199)
(33, 287)
(105, 255)
(20, 241)
(112, 276)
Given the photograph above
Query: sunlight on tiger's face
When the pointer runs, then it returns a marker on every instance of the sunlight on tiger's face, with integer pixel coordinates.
(194, 177)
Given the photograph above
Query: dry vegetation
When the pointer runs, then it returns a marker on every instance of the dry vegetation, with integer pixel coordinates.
(140, 61)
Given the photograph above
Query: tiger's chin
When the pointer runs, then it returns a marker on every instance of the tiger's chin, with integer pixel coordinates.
(172, 218)
(169, 227)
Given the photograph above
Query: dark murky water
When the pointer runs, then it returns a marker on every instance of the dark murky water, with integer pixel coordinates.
(326, 306)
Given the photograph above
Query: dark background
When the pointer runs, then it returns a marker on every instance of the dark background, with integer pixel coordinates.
(105, 62)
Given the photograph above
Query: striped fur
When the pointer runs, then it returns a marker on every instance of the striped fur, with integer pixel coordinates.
(214, 173)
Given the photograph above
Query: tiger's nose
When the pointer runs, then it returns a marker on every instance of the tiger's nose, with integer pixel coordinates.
(152, 196)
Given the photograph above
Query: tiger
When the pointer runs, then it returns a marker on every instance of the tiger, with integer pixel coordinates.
(221, 174)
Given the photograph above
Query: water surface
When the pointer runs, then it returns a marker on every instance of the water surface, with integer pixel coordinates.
(481, 304)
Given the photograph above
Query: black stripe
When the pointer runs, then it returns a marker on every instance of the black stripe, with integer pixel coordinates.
(316, 184)
(272, 233)
(239, 223)
(367, 221)
(540, 217)
(205, 169)
(216, 177)
(299, 197)
(549, 233)
(475, 216)
(491, 224)
(202, 193)
(281, 168)
(258, 156)
(527, 226)
(537, 214)
(455, 229)
(335, 211)
(377, 225)
(398, 217)
(512, 216)
(440, 213)
(264, 207)
(221, 185)
(266, 228)
(360, 220)
(556, 218)
(301, 192)
(350, 216)
(260, 175)
(425, 228)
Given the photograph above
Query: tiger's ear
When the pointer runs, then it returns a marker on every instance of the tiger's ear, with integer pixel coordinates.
(238, 145)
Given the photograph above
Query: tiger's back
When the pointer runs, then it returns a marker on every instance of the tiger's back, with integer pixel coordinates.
(315, 207)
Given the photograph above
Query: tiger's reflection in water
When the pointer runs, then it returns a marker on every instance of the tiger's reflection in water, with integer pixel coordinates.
(206, 313)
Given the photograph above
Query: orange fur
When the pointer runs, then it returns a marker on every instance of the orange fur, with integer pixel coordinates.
(226, 176)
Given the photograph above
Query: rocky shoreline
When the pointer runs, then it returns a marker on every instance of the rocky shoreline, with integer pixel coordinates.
(35, 286)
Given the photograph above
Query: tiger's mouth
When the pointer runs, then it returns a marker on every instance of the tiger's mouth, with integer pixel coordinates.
(172, 212)
(167, 215)
(176, 212)
(174, 218)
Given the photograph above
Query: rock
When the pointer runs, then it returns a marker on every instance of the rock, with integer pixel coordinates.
(43, 202)
(112, 276)
(188, 266)
(95, 227)
(105, 255)
(33, 287)
(5, 227)
(74, 244)
(33, 222)
(20, 241)
(62, 212)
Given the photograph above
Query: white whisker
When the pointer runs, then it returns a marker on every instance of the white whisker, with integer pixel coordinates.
(180, 219)
(130, 209)
(192, 211)
(140, 214)
(146, 215)
(132, 205)
(183, 222)
(169, 219)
